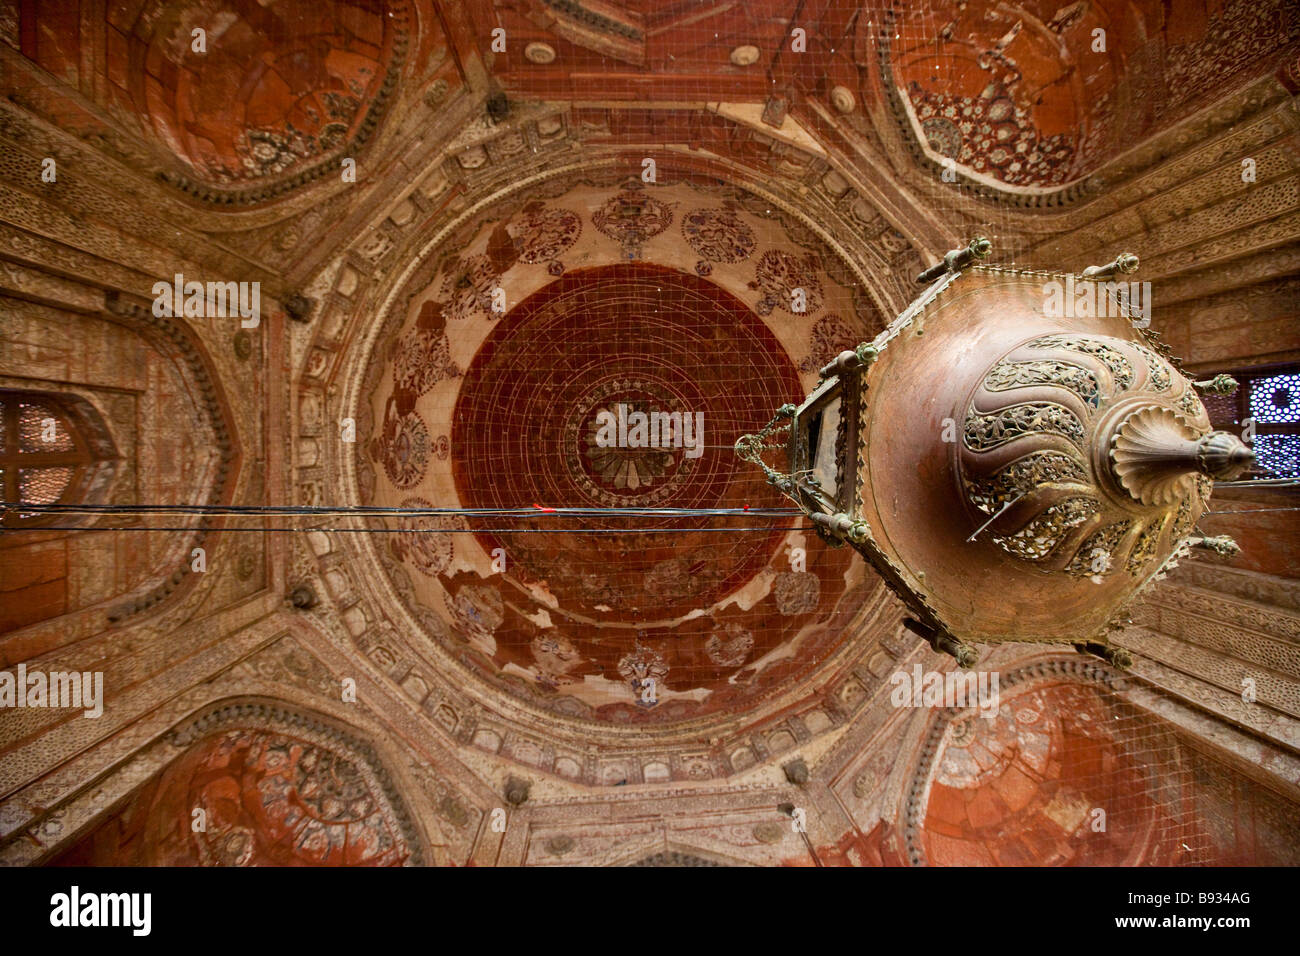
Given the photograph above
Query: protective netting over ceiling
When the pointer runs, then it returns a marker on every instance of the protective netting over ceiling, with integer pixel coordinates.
(626, 389)
(619, 389)
(531, 371)
(1066, 770)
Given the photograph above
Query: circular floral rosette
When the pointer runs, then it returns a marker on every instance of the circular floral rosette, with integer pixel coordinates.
(542, 235)
(779, 274)
(426, 541)
(718, 235)
(406, 453)
(467, 288)
(620, 476)
(632, 216)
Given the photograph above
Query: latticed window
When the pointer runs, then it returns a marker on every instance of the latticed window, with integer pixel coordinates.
(1270, 400)
(43, 456)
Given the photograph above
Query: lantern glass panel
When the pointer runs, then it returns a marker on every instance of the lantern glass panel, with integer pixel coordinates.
(823, 427)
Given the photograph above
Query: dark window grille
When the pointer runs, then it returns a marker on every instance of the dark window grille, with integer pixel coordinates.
(43, 456)
(1270, 399)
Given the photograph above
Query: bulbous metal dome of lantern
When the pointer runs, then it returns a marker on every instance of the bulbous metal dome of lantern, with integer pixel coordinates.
(1015, 475)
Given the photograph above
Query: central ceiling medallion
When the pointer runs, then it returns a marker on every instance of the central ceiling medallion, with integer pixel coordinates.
(633, 443)
(646, 377)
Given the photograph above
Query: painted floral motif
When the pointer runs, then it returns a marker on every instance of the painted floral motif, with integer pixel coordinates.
(422, 357)
(402, 447)
(991, 135)
(643, 664)
(283, 801)
(677, 579)
(425, 541)
(468, 287)
(555, 656)
(629, 469)
(632, 217)
(719, 235)
(543, 234)
(620, 476)
(797, 592)
(597, 591)
(729, 645)
(268, 151)
(829, 337)
(478, 611)
(778, 274)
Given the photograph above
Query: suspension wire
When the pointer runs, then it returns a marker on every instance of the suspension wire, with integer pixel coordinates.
(333, 530)
(379, 511)
(364, 511)
(1260, 483)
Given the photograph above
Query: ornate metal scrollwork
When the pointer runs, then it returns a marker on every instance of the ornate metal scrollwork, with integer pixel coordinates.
(1084, 460)
(1159, 375)
(1120, 367)
(985, 431)
(1044, 534)
(1189, 403)
(1144, 465)
(1096, 556)
(1144, 548)
(1076, 378)
(1024, 475)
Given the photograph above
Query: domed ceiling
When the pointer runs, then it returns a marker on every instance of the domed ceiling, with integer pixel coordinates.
(1041, 94)
(672, 300)
(240, 95)
(282, 86)
(1035, 96)
(496, 278)
(1023, 786)
(314, 797)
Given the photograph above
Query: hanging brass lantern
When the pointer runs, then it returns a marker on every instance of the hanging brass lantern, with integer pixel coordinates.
(1015, 470)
